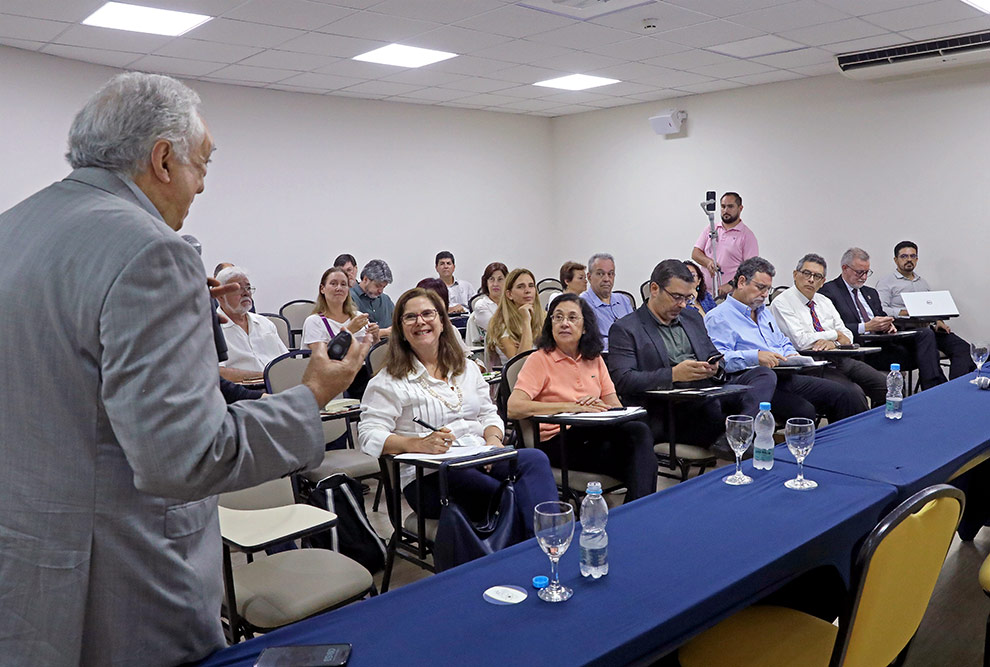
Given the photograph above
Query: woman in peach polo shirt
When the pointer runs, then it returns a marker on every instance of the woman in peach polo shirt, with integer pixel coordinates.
(567, 374)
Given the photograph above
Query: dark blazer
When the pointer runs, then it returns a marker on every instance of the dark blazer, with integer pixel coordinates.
(836, 291)
(637, 357)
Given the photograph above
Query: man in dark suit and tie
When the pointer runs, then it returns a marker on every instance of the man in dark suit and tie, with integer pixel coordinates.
(861, 311)
(664, 344)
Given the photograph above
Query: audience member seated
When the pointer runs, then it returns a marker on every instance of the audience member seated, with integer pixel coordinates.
(861, 311)
(436, 285)
(369, 294)
(492, 284)
(736, 242)
(518, 319)
(573, 278)
(608, 307)
(905, 279)
(742, 329)
(567, 374)
(335, 311)
(664, 345)
(426, 377)
(811, 322)
(220, 267)
(460, 291)
(252, 340)
(703, 300)
(347, 262)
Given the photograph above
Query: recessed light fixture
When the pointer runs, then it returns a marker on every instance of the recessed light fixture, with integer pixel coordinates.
(576, 82)
(404, 56)
(121, 16)
(982, 5)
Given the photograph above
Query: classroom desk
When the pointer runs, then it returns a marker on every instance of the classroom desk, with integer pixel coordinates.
(680, 561)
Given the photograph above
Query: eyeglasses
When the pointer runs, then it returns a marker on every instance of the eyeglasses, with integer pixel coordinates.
(763, 288)
(248, 289)
(912, 256)
(865, 273)
(679, 298)
(811, 274)
(427, 315)
(559, 318)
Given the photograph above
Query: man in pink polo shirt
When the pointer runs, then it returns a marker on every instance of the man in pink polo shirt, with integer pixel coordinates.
(736, 243)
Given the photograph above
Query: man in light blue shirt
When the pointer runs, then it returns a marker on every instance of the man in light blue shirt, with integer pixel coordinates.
(608, 307)
(743, 329)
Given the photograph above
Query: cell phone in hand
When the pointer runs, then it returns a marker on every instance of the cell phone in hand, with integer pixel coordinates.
(714, 359)
(339, 345)
(322, 655)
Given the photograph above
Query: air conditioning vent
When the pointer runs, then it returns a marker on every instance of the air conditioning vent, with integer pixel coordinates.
(916, 57)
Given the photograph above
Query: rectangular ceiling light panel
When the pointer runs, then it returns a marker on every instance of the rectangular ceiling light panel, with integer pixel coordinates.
(135, 18)
(404, 56)
(576, 82)
(583, 9)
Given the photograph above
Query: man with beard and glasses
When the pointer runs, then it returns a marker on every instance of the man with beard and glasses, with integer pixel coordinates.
(252, 340)
(736, 243)
(904, 279)
(743, 329)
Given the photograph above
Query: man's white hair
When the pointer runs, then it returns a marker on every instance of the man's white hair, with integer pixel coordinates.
(227, 275)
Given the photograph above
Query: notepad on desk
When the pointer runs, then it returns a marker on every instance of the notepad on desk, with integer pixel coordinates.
(608, 414)
(452, 453)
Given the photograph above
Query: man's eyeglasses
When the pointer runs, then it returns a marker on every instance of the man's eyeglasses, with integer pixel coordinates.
(912, 256)
(811, 274)
(250, 290)
(558, 318)
(685, 299)
(865, 273)
(427, 315)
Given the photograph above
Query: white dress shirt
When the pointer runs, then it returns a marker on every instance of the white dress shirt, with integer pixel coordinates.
(251, 350)
(315, 330)
(484, 309)
(790, 309)
(390, 404)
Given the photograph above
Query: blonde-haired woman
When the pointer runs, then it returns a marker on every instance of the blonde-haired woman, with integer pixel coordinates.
(335, 311)
(518, 320)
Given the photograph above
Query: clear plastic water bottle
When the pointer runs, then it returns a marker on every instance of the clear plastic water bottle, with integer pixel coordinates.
(895, 392)
(594, 539)
(763, 426)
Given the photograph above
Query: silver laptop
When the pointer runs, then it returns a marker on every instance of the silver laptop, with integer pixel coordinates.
(929, 304)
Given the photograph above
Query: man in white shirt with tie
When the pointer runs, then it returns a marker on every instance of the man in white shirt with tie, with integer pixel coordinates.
(811, 321)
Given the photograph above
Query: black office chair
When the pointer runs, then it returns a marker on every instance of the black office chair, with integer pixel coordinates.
(632, 299)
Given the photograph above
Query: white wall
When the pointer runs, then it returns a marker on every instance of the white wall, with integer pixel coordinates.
(821, 164)
(298, 179)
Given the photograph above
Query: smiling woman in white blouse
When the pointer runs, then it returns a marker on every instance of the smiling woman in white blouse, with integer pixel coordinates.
(426, 377)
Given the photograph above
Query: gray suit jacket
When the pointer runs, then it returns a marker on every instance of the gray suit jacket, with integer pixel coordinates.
(114, 436)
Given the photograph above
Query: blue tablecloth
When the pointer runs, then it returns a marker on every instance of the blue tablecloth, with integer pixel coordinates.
(942, 428)
(680, 560)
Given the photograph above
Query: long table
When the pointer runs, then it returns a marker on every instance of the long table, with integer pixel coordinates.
(680, 560)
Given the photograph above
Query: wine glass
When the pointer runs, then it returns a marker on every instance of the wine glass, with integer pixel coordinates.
(979, 353)
(739, 433)
(554, 526)
(800, 435)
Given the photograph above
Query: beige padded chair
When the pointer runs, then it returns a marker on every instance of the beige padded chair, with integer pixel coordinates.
(376, 358)
(296, 312)
(282, 327)
(285, 587)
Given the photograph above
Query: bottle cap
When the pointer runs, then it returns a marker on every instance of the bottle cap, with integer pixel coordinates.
(594, 488)
(764, 406)
(895, 367)
(541, 582)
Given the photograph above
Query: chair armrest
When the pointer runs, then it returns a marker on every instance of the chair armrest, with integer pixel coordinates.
(254, 530)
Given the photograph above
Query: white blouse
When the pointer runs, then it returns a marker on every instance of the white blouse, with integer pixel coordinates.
(390, 404)
(315, 331)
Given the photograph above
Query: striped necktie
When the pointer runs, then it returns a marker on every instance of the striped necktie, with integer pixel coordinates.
(814, 317)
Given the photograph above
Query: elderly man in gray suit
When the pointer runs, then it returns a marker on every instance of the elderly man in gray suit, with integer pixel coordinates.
(114, 436)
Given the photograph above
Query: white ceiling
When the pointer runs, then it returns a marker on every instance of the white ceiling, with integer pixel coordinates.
(306, 45)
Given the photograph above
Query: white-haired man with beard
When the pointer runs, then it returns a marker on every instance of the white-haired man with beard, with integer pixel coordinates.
(252, 340)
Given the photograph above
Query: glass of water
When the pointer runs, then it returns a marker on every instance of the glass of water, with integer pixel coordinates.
(800, 435)
(979, 353)
(739, 433)
(554, 526)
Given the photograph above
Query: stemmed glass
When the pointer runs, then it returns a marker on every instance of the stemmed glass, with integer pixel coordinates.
(554, 525)
(800, 435)
(739, 433)
(979, 353)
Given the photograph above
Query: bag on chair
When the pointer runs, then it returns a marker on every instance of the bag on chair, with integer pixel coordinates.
(352, 535)
(461, 539)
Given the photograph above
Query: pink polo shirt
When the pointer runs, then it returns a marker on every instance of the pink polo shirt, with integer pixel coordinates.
(553, 377)
(734, 246)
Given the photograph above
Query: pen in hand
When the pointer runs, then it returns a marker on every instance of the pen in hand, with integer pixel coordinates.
(424, 424)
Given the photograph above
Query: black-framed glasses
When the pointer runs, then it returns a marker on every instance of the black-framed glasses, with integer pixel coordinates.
(428, 316)
(685, 299)
(865, 273)
(811, 274)
(911, 256)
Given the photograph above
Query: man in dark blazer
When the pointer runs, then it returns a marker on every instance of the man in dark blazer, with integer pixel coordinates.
(662, 345)
(860, 309)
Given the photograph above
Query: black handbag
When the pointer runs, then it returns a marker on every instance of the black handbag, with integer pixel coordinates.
(460, 539)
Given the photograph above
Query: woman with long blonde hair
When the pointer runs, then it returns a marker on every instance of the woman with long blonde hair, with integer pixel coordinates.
(518, 320)
(335, 311)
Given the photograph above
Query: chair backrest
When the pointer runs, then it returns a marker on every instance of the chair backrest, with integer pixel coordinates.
(474, 335)
(275, 493)
(547, 282)
(545, 290)
(296, 312)
(775, 292)
(632, 299)
(286, 371)
(510, 372)
(895, 575)
(376, 357)
(283, 329)
(473, 299)
(644, 291)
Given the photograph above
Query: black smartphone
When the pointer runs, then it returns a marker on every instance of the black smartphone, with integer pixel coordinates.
(322, 655)
(339, 345)
(715, 358)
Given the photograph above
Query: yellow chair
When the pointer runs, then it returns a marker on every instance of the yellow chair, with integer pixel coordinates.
(893, 580)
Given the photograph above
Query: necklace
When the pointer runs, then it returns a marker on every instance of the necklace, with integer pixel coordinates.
(453, 407)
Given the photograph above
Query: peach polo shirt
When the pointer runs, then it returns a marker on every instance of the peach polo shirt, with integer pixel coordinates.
(553, 377)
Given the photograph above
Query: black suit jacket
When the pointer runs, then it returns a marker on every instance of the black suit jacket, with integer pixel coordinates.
(637, 357)
(836, 291)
